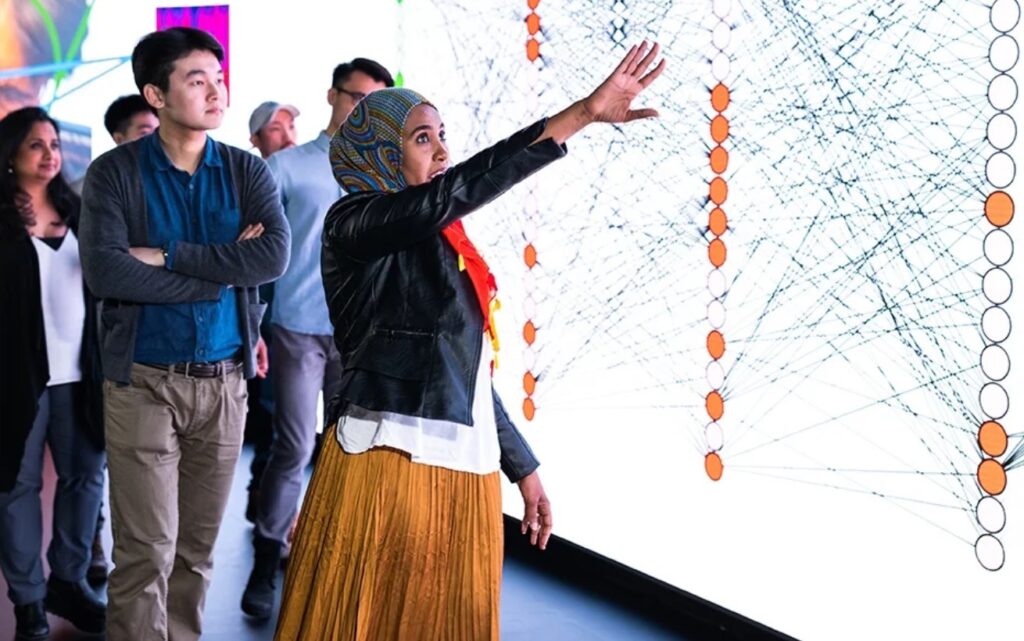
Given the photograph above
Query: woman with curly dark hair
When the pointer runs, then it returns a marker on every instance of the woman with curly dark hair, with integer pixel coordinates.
(50, 385)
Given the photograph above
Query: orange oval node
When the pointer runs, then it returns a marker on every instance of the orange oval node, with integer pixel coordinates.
(532, 49)
(992, 438)
(529, 333)
(992, 477)
(719, 159)
(533, 4)
(720, 98)
(717, 222)
(529, 409)
(719, 129)
(715, 406)
(529, 383)
(713, 466)
(718, 190)
(530, 256)
(533, 23)
(716, 344)
(999, 208)
(716, 252)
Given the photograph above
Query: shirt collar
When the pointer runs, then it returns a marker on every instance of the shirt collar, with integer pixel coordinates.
(211, 154)
(323, 141)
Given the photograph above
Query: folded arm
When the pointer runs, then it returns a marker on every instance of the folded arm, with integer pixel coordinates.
(250, 261)
(110, 271)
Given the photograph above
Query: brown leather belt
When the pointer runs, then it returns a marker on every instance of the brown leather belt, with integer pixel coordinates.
(202, 370)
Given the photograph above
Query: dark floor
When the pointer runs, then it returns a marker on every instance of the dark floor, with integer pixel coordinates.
(535, 606)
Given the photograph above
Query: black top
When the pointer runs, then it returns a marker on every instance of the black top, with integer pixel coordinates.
(25, 368)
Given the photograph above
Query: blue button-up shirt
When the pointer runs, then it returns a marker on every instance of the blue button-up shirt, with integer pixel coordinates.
(200, 209)
(308, 189)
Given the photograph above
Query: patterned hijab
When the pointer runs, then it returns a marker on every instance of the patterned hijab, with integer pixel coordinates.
(366, 155)
(366, 151)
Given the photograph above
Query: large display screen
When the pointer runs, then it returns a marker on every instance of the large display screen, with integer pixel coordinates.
(763, 345)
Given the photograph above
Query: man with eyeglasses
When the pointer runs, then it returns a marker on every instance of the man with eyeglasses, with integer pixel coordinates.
(306, 361)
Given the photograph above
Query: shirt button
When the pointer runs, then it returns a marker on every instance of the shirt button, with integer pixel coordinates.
(202, 352)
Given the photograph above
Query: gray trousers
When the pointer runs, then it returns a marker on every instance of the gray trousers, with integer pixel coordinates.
(172, 443)
(76, 503)
(304, 364)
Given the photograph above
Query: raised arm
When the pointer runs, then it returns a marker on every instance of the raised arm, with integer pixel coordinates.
(110, 271)
(369, 225)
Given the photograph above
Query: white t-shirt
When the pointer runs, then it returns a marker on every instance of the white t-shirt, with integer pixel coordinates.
(432, 442)
(60, 287)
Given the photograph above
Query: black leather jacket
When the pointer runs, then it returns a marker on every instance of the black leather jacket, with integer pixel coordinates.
(406, 320)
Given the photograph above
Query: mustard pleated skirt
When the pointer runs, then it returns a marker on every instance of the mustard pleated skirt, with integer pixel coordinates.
(391, 550)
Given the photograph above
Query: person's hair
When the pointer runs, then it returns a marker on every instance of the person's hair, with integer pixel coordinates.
(371, 68)
(154, 57)
(120, 112)
(15, 204)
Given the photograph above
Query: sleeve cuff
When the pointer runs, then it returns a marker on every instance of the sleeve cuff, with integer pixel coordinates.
(169, 250)
(548, 145)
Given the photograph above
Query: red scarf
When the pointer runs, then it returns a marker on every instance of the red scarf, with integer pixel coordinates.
(475, 266)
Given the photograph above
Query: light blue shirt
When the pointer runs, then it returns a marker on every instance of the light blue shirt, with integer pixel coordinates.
(308, 189)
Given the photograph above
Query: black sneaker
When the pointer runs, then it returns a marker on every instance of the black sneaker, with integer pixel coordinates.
(31, 622)
(77, 603)
(258, 598)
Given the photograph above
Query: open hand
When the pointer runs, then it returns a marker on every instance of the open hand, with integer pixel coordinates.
(612, 100)
(537, 515)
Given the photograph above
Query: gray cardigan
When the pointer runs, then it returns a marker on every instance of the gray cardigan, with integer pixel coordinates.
(114, 218)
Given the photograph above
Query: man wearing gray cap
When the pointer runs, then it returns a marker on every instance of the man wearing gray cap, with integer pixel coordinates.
(272, 127)
(306, 361)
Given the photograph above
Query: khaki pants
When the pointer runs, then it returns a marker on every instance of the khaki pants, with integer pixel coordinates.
(172, 445)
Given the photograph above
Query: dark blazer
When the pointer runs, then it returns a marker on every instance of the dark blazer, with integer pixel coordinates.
(406, 320)
(24, 368)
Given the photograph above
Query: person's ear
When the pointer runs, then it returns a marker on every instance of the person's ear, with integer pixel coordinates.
(332, 96)
(118, 137)
(154, 96)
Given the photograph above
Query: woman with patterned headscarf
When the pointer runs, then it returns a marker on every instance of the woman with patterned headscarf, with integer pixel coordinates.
(400, 535)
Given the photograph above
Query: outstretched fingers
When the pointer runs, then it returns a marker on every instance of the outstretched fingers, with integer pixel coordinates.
(626, 61)
(653, 75)
(637, 58)
(647, 60)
